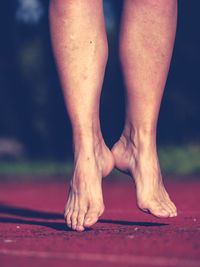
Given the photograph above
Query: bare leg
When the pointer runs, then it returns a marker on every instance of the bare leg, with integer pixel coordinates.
(147, 38)
(80, 47)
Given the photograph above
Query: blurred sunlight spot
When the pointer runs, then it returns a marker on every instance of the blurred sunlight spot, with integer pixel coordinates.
(29, 11)
(109, 16)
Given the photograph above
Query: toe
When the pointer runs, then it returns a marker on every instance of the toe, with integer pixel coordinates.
(66, 211)
(74, 219)
(93, 215)
(155, 208)
(172, 208)
(80, 221)
(161, 213)
(170, 204)
(91, 218)
(160, 210)
(166, 206)
(68, 219)
(80, 228)
(174, 213)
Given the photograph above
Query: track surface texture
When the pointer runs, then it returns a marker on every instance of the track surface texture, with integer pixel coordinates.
(33, 232)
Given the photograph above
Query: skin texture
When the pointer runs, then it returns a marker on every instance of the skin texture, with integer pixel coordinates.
(146, 44)
(80, 47)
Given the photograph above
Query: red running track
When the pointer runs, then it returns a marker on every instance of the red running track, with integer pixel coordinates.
(33, 232)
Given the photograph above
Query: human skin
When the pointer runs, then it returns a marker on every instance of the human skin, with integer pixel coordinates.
(81, 50)
(146, 43)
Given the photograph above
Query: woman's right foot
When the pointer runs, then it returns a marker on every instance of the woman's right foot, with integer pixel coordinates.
(141, 161)
(85, 200)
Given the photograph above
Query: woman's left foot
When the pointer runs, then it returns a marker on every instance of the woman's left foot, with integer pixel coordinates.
(141, 161)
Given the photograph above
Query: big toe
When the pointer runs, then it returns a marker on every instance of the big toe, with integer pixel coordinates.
(160, 213)
(155, 209)
(91, 218)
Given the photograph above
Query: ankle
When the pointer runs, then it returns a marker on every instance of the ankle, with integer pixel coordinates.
(86, 142)
(141, 138)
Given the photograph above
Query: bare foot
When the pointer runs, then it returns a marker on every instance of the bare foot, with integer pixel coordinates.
(85, 200)
(141, 162)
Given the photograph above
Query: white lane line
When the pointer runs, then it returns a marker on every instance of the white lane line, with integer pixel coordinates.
(105, 258)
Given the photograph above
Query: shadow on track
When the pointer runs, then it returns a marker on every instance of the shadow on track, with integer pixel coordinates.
(59, 226)
(132, 223)
(28, 213)
(54, 225)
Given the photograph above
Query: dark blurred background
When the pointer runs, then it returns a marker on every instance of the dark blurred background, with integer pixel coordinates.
(33, 120)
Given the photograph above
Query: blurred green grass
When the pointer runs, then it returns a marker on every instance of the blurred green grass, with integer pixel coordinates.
(174, 160)
(34, 168)
(180, 160)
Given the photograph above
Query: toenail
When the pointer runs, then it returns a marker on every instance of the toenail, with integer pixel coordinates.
(80, 228)
(164, 212)
(88, 220)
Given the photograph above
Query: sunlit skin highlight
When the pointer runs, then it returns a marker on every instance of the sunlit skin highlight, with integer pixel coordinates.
(81, 50)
